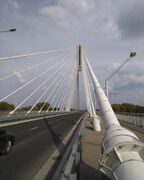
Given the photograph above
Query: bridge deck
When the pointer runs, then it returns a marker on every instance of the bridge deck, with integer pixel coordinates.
(91, 150)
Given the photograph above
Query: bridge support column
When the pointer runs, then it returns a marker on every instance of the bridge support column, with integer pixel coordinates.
(78, 74)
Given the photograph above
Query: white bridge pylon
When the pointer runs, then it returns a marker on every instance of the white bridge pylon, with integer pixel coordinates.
(81, 67)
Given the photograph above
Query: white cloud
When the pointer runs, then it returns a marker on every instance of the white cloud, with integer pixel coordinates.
(82, 15)
(56, 12)
(81, 5)
(131, 21)
(126, 82)
(107, 27)
(20, 77)
(14, 4)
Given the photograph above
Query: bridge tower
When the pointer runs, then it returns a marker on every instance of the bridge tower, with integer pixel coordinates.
(75, 81)
(78, 73)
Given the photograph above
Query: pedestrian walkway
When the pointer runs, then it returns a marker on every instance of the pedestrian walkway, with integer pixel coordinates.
(91, 153)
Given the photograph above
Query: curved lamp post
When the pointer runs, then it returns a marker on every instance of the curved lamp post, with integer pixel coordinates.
(132, 54)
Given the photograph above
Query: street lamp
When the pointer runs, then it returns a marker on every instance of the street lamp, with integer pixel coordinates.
(132, 54)
(9, 30)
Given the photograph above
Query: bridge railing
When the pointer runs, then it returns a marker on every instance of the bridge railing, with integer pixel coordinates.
(23, 115)
(18, 115)
(69, 166)
(136, 119)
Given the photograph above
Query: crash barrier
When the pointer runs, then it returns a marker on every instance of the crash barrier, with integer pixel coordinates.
(19, 115)
(68, 168)
(136, 119)
(24, 116)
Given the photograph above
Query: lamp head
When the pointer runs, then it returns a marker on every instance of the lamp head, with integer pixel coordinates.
(132, 54)
(12, 30)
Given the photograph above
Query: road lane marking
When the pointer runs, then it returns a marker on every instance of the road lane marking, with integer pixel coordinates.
(33, 128)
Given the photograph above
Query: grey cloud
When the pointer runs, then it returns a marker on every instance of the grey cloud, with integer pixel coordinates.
(127, 82)
(131, 22)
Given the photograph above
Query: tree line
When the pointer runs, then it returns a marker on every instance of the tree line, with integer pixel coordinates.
(5, 106)
(126, 107)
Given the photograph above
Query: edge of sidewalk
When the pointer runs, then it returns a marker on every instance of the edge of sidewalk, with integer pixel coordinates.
(91, 153)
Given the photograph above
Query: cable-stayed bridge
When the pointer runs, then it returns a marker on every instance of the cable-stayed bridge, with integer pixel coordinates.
(51, 92)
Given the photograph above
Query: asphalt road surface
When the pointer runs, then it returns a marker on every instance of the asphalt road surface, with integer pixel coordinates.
(34, 143)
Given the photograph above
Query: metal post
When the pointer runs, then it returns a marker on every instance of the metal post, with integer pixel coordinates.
(132, 54)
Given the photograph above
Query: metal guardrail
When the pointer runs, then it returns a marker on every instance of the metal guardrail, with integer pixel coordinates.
(19, 116)
(24, 116)
(68, 169)
(132, 118)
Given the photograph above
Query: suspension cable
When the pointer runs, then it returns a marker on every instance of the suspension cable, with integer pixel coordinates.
(63, 103)
(64, 92)
(61, 67)
(62, 79)
(70, 87)
(36, 90)
(34, 54)
(61, 99)
(86, 89)
(56, 96)
(31, 67)
(35, 78)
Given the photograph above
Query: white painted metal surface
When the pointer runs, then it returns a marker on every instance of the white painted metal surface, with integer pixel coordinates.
(106, 109)
(89, 101)
(123, 157)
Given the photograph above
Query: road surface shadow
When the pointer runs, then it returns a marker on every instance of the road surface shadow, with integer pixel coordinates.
(90, 128)
(89, 173)
(56, 139)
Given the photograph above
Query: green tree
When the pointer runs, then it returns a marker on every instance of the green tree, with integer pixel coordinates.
(126, 107)
(40, 104)
(27, 108)
(4, 106)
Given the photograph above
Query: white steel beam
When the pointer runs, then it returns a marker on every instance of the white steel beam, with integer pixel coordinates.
(123, 157)
(90, 104)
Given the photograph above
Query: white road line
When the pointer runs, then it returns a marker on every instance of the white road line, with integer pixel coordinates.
(33, 128)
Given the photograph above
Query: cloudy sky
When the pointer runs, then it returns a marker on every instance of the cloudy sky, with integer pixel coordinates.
(108, 29)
